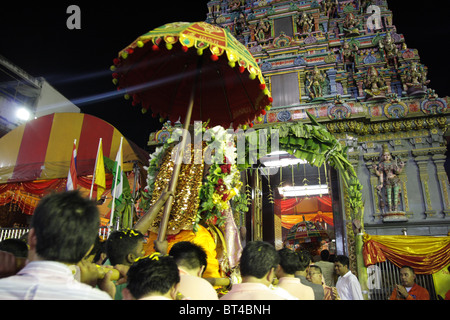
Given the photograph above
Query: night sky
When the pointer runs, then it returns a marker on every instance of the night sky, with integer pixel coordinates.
(76, 62)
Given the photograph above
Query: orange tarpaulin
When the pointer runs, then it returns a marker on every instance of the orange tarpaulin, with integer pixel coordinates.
(301, 205)
(35, 157)
(294, 210)
(288, 221)
(26, 195)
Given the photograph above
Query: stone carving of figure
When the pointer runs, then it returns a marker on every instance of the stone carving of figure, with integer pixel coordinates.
(316, 80)
(305, 23)
(390, 50)
(262, 30)
(387, 171)
(351, 25)
(349, 55)
(375, 86)
(329, 7)
(416, 78)
(364, 4)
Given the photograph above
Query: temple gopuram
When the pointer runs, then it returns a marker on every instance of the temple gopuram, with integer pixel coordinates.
(345, 63)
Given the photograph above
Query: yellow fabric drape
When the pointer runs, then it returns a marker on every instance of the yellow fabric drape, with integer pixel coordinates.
(289, 220)
(202, 237)
(426, 255)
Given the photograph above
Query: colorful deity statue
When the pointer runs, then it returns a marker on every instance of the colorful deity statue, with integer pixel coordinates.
(387, 171)
(349, 56)
(316, 80)
(416, 79)
(389, 49)
(351, 25)
(262, 31)
(305, 23)
(374, 83)
(329, 7)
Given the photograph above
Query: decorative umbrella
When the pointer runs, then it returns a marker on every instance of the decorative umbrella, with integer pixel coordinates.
(195, 71)
(159, 69)
(306, 231)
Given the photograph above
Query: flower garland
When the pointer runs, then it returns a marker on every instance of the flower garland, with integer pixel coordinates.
(223, 181)
(221, 184)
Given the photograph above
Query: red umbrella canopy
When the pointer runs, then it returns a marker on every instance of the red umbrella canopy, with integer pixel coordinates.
(159, 70)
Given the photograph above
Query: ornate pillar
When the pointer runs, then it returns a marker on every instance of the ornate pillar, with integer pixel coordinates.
(439, 161)
(422, 159)
(278, 232)
(332, 77)
(257, 220)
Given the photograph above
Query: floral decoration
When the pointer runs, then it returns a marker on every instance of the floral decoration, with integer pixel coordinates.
(223, 181)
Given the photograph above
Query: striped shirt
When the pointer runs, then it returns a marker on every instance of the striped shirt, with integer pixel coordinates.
(47, 280)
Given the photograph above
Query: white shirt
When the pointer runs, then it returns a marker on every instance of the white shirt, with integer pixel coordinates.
(348, 287)
(47, 280)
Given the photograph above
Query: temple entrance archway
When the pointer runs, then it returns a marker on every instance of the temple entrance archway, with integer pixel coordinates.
(315, 145)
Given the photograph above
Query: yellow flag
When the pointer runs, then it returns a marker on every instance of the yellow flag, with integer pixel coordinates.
(100, 179)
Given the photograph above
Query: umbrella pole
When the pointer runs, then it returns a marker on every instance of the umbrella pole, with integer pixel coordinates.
(177, 166)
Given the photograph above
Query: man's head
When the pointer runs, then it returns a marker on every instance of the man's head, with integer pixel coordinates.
(124, 247)
(64, 227)
(304, 259)
(289, 262)
(341, 265)
(324, 255)
(190, 257)
(407, 276)
(259, 260)
(154, 275)
(314, 274)
(17, 247)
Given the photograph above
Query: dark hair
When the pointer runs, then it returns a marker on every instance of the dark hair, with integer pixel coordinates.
(257, 258)
(121, 243)
(289, 260)
(408, 267)
(98, 249)
(189, 255)
(66, 225)
(343, 260)
(304, 258)
(154, 274)
(325, 255)
(15, 246)
(313, 266)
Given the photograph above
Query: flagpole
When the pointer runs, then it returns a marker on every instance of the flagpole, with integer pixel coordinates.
(95, 166)
(115, 187)
(70, 164)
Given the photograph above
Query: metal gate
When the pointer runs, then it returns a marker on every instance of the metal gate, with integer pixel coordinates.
(383, 277)
(15, 233)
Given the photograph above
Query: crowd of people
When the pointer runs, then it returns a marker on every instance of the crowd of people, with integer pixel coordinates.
(63, 258)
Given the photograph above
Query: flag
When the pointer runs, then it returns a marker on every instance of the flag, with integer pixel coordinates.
(99, 173)
(72, 176)
(117, 186)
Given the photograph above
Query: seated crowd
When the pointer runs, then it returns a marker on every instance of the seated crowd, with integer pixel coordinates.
(64, 259)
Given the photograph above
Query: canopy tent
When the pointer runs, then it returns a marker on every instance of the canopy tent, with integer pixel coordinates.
(313, 208)
(42, 148)
(35, 157)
